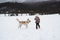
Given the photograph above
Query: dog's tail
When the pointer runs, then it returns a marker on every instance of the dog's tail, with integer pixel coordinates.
(17, 19)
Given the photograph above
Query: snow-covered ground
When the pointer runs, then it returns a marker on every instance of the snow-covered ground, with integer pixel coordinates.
(50, 28)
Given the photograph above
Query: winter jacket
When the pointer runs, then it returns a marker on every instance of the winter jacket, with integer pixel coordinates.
(37, 20)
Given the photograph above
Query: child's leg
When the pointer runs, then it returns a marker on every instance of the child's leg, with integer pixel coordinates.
(36, 25)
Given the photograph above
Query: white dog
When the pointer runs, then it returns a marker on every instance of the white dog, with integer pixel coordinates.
(23, 22)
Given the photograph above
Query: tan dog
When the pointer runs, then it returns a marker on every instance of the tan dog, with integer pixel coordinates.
(23, 22)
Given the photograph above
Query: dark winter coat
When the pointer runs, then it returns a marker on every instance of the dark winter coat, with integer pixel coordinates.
(37, 20)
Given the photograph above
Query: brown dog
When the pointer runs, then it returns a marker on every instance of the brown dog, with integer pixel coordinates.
(23, 22)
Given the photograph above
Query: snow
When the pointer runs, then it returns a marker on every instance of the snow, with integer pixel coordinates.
(50, 26)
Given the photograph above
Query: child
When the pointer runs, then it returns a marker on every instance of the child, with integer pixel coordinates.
(37, 22)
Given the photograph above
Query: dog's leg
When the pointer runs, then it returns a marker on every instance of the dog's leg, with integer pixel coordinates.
(26, 26)
(19, 26)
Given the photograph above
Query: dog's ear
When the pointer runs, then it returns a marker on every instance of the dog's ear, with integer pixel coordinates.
(28, 20)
